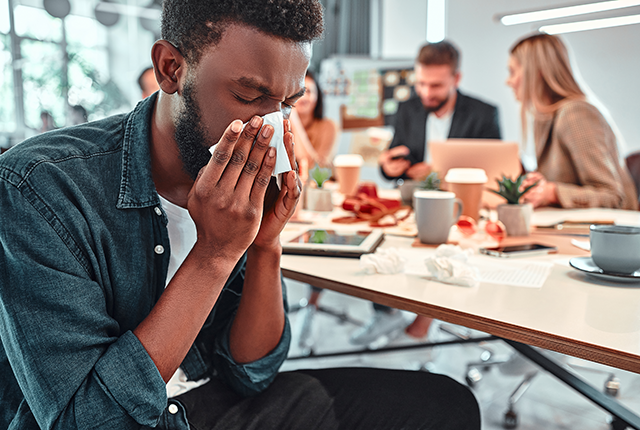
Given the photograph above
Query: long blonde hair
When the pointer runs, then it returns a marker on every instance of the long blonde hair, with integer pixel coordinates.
(547, 78)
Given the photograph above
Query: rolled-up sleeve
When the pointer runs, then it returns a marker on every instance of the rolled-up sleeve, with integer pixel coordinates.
(250, 378)
(74, 364)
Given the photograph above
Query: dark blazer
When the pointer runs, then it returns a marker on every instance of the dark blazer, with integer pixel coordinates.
(472, 119)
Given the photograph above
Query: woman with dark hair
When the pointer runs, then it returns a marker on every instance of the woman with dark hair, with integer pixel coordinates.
(314, 135)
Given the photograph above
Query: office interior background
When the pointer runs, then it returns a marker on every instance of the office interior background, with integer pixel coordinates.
(55, 54)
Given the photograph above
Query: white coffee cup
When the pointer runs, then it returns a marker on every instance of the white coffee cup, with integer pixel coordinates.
(347, 169)
(615, 248)
(435, 215)
(468, 184)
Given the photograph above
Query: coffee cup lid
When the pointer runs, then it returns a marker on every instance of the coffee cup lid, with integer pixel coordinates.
(348, 160)
(460, 175)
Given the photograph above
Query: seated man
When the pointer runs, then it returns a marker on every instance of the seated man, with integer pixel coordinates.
(139, 274)
(439, 111)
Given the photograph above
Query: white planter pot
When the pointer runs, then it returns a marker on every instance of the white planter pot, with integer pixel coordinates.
(516, 218)
(318, 199)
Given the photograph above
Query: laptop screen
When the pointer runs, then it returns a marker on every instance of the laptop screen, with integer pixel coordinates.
(496, 157)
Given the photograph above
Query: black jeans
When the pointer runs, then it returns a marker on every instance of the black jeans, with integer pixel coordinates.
(340, 398)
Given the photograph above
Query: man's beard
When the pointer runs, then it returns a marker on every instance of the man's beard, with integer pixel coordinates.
(191, 137)
(439, 106)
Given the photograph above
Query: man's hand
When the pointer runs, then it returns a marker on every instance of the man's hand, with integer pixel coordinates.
(543, 194)
(394, 162)
(227, 197)
(277, 213)
(419, 171)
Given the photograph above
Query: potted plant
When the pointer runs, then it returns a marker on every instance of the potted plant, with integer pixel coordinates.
(318, 198)
(515, 216)
(432, 182)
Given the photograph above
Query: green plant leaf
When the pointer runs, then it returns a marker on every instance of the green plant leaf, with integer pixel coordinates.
(320, 175)
(432, 182)
(510, 189)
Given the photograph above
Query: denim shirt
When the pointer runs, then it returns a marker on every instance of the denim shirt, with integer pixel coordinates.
(84, 251)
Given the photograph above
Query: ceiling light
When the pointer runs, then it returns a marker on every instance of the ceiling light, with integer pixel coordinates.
(594, 24)
(563, 12)
(436, 14)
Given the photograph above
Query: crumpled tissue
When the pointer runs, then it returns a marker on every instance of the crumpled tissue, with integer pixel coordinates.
(451, 265)
(275, 119)
(385, 261)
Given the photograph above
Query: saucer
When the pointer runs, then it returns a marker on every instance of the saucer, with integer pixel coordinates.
(586, 264)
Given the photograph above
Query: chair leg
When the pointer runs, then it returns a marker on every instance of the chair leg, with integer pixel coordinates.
(510, 420)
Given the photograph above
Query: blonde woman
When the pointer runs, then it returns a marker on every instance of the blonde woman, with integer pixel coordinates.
(578, 160)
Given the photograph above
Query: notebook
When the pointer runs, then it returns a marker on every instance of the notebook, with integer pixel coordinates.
(496, 157)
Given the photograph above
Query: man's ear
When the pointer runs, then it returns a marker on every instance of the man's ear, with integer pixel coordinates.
(457, 77)
(169, 66)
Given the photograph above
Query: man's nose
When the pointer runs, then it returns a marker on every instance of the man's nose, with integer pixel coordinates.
(275, 107)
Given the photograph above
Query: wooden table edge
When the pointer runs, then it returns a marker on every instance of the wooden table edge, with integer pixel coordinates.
(560, 344)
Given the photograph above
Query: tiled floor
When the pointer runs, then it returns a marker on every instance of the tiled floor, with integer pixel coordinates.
(547, 404)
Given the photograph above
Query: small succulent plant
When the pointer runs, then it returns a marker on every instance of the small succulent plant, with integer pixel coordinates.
(432, 182)
(320, 175)
(510, 189)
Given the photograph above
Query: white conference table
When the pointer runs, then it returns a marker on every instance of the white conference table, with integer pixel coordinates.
(572, 313)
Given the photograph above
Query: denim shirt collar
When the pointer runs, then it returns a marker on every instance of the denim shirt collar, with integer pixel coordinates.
(137, 189)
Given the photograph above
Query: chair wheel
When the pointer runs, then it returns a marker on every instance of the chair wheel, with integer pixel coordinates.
(472, 377)
(617, 424)
(612, 386)
(510, 419)
(485, 356)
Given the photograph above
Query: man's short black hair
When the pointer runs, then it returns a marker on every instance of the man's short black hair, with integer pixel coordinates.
(193, 25)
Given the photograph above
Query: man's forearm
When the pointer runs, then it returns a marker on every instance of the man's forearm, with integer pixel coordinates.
(259, 322)
(170, 329)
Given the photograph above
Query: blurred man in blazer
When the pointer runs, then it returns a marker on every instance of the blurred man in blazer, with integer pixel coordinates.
(438, 112)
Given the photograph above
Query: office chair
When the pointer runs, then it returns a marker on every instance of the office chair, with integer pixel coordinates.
(515, 364)
(309, 311)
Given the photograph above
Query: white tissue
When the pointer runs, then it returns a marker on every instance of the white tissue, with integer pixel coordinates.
(451, 266)
(277, 141)
(385, 261)
(275, 119)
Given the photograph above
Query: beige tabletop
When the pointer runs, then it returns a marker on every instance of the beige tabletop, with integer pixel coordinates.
(572, 313)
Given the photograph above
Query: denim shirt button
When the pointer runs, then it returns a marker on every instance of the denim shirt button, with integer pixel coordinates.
(159, 249)
(173, 409)
(158, 211)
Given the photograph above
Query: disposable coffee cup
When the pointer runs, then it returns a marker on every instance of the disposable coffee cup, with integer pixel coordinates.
(435, 214)
(467, 184)
(347, 170)
(615, 248)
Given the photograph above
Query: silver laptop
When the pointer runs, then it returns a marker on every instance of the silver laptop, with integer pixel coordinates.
(496, 157)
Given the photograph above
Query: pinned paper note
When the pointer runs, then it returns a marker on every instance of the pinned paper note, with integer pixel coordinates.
(275, 119)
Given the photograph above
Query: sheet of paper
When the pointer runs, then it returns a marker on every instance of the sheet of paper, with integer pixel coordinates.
(275, 119)
(529, 274)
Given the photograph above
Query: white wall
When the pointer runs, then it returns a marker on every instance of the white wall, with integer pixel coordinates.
(608, 59)
(404, 27)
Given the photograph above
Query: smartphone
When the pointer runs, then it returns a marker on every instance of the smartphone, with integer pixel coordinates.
(519, 250)
(400, 157)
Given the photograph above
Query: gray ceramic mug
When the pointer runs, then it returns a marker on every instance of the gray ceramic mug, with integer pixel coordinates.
(615, 248)
(435, 214)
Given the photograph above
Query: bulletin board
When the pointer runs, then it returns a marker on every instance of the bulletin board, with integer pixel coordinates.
(373, 96)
